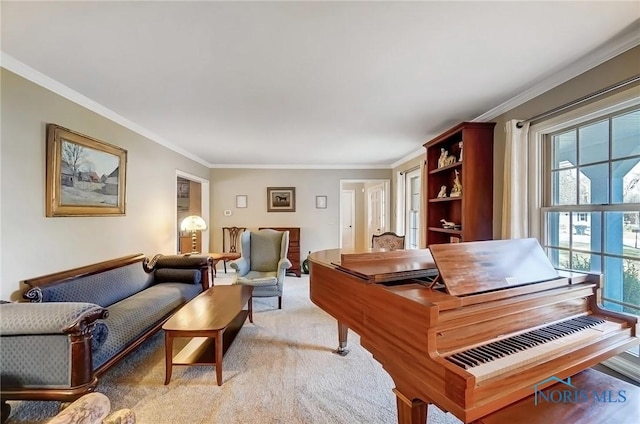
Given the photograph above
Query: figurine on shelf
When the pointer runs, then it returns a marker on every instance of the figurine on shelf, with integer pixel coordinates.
(443, 157)
(448, 225)
(456, 191)
(460, 145)
(443, 192)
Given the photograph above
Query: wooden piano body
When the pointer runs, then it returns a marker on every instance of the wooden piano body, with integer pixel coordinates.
(488, 291)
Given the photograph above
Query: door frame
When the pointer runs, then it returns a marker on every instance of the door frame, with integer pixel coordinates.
(204, 196)
(359, 220)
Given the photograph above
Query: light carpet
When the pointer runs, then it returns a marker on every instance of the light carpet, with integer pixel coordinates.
(279, 370)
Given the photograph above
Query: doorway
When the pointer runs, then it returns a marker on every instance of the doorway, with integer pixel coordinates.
(364, 211)
(192, 198)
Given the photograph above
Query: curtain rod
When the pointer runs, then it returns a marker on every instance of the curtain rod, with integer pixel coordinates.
(406, 171)
(593, 95)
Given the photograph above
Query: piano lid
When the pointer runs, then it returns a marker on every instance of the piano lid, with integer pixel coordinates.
(475, 267)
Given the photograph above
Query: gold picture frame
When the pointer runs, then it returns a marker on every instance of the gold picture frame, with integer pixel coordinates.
(281, 199)
(84, 176)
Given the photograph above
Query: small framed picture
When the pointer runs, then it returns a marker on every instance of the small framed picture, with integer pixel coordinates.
(241, 201)
(321, 202)
(281, 199)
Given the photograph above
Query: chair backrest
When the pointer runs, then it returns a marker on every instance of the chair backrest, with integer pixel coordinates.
(388, 240)
(264, 248)
(231, 235)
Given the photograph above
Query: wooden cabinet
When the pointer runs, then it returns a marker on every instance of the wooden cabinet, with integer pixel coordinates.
(470, 145)
(294, 248)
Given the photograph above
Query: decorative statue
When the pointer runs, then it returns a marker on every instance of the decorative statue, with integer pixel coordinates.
(460, 145)
(443, 192)
(447, 224)
(456, 191)
(443, 157)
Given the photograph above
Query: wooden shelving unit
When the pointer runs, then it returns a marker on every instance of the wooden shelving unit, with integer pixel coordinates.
(473, 210)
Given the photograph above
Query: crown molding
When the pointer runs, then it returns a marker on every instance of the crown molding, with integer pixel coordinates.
(297, 166)
(10, 63)
(626, 41)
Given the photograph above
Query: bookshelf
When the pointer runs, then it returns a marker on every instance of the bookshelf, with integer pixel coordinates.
(472, 209)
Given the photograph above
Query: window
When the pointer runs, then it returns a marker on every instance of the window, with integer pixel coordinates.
(412, 209)
(591, 207)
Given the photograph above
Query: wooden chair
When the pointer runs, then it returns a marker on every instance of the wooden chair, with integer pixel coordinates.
(388, 240)
(230, 235)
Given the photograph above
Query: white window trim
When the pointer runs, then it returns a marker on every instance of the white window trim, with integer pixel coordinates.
(625, 363)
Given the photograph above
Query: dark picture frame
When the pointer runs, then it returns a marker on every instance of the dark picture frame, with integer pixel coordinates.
(281, 199)
(84, 176)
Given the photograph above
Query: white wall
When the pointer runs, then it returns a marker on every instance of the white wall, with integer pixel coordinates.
(319, 228)
(34, 245)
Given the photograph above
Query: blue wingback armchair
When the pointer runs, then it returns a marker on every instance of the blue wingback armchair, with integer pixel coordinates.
(264, 262)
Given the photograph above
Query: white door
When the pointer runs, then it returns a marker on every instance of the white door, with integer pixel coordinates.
(347, 219)
(412, 208)
(376, 217)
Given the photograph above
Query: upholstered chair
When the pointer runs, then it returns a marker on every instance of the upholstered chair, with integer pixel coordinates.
(388, 240)
(264, 262)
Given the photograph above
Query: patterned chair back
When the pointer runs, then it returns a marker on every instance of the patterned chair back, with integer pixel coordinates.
(388, 240)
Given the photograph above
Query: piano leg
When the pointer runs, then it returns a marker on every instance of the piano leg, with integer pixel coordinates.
(410, 411)
(342, 340)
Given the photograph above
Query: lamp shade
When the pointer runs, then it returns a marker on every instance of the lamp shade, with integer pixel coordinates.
(193, 223)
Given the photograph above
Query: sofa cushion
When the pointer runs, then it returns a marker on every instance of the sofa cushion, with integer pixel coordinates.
(265, 250)
(104, 288)
(133, 316)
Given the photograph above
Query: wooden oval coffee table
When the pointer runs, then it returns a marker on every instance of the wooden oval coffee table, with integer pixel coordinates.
(212, 320)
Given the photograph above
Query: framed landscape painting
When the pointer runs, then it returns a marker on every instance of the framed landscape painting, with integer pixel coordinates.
(281, 199)
(84, 176)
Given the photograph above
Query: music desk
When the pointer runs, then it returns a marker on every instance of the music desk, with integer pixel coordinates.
(588, 411)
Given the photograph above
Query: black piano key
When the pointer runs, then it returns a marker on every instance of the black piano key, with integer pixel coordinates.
(516, 344)
(491, 351)
(457, 362)
(548, 335)
(467, 358)
(505, 347)
(473, 353)
(533, 336)
(523, 339)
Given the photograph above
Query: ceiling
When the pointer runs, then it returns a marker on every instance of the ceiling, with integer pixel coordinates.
(307, 84)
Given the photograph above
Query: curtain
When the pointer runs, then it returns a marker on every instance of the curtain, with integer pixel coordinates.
(423, 204)
(515, 213)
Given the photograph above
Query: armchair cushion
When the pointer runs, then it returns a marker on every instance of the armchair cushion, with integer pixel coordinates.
(259, 279)
(265, 250)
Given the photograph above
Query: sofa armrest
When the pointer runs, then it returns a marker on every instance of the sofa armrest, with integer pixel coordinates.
(48, 318)
(241, 266)
(202, 263)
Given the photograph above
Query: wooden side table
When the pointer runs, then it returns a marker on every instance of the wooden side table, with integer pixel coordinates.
(217, 257)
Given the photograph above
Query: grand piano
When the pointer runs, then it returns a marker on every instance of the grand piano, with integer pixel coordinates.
(469, 327)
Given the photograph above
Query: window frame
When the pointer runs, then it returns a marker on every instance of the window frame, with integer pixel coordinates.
(539, 183)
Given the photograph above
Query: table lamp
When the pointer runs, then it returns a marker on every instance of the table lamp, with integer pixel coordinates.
(193, 223)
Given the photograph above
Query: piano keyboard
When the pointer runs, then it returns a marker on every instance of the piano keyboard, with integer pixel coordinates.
(511, 353)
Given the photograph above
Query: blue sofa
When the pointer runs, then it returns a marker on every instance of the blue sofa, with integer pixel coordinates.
(80, 322)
